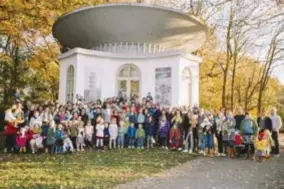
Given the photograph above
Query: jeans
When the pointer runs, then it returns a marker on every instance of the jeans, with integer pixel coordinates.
(131, 141)
(189, 141)
(140, 142)
(202, 142)
(209, 141)
(120, 140)
(149, 140)
(275, 149)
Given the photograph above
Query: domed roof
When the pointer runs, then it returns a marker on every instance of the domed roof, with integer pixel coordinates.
(93, 26)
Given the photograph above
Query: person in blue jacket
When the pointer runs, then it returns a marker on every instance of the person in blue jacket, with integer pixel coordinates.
(150, 129)
(131, 135)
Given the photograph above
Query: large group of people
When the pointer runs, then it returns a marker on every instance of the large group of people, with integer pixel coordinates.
(130, 123)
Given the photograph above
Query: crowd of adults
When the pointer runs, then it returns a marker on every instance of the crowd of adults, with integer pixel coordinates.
(120, 122)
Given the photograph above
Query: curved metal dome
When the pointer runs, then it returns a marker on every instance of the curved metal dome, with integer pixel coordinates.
(93, 26)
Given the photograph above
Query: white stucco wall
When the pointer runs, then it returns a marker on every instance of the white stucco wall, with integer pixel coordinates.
(106, 66)
(191, 62)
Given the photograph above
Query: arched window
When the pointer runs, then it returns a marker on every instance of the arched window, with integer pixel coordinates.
(186, 75)
(128, 79)
(70, 84)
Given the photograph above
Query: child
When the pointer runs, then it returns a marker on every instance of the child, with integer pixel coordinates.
(131, 135)
(36, 141)
(238, 141)
(150, 132)
(164, 127)
(100, 134)
(207, 139)
(260, 146)
(80, 138)
(73, 134)
(122, 131)
(67, 145)
(106, 135)
(140, 117)
(140, 136)
(89, 129)
(21, 140)
(113, 132)
(59, 136)
(50, 138)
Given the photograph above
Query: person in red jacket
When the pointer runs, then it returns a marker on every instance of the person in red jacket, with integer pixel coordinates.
(21, 140)
(11, 128)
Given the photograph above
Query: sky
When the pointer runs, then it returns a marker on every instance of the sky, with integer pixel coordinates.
(253, 12)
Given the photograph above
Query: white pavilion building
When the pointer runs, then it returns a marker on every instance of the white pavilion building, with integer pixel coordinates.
(134, 48)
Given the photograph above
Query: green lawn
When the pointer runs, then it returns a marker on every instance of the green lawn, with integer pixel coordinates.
(84, 170)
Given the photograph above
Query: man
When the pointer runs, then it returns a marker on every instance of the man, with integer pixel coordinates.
(264, 121)
(239, 118)
(248, 130)
(276, 125)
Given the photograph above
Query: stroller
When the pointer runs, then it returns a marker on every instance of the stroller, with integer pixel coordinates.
(243, 145)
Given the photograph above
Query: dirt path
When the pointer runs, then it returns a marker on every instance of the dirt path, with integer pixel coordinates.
(218, 173)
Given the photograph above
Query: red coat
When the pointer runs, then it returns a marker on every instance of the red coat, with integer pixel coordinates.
(238, 139)
(21, 140)
(175, 137)
(10, 129)
(29, 135)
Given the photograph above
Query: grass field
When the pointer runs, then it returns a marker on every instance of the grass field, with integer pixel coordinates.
(84, 170)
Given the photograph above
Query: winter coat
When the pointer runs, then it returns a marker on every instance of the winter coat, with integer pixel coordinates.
(140, 118)
(106, 114)
(266, 121)
(248, 126)
(21, 140)
(10, 130)
(50, 136)
(132, 118)
(140, 133)
(150, 128)
(131, 132)
(239, 119)
(163, 131)
(228, 127)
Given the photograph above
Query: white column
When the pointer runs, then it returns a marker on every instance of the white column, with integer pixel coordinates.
(62, 82)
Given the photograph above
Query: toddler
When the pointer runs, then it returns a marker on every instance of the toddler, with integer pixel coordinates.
(131, 135)
(80, 138)
(100, 134)
(89, 129)
(140, 136)
(122, 131)
(21, 140)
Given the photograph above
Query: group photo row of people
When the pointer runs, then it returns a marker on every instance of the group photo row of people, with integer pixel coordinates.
(121, 123)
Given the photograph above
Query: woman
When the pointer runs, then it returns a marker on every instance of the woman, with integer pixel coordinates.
(228, 125)
(11, 128)
(175, 136)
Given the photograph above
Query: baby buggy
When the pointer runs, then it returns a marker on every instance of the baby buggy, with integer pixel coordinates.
(243, 145)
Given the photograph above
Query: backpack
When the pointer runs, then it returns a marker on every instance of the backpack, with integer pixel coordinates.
(248, 127)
